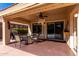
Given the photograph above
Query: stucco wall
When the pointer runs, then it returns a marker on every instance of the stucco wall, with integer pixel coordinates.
(71, 18)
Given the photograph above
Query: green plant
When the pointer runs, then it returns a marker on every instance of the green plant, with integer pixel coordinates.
(21, 31)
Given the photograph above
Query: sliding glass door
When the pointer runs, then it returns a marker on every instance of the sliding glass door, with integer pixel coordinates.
(55, 30)
(59, 30)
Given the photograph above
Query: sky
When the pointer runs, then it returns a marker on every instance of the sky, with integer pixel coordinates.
(5, 5)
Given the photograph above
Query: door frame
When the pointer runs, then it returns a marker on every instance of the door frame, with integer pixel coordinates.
(54, 22)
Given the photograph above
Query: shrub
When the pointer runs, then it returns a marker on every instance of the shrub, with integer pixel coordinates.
(21, 31)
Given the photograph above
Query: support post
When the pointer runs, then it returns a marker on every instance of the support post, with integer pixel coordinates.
(78, 34)
(5, 31)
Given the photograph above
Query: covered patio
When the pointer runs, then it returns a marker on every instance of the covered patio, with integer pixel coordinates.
(43, 14)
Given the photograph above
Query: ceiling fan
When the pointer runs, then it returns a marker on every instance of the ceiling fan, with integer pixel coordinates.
(41, 15)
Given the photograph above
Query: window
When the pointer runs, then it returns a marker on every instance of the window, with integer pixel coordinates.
(37, 28)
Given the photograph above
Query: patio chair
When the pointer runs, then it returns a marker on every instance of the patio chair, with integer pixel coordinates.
(20, 39)
(35, 38)
(42, 37)
(30, 40)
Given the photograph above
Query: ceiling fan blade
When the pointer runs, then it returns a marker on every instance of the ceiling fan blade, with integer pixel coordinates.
(45, 16)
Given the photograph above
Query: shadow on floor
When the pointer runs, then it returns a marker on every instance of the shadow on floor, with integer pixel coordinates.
(47, 48)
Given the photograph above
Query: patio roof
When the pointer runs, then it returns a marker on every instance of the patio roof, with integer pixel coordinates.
(28, 14)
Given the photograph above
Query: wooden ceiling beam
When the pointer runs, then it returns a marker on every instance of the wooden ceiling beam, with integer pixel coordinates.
(41, 9)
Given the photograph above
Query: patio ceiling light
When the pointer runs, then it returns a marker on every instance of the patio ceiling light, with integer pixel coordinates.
(76, 15)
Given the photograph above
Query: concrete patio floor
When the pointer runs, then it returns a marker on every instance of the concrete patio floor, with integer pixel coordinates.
(47, 48)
